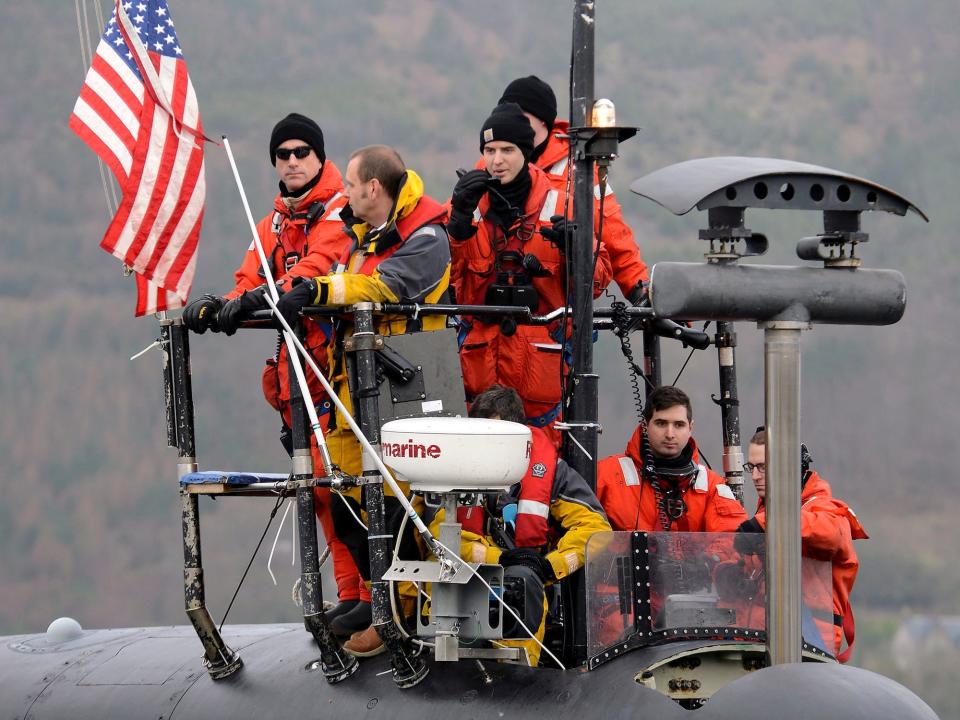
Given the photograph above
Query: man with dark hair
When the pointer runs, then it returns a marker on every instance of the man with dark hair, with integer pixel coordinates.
(828, 528)
(555, 515)
(498, 402)
(551, 152)
(397, 253)
(506, 251)
(302, 237)
(659, 483)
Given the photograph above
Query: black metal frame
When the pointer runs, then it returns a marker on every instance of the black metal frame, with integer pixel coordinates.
(409, 668)
(337, 665)
(219, 659)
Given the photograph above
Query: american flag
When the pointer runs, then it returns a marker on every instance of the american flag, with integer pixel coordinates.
(138, 111)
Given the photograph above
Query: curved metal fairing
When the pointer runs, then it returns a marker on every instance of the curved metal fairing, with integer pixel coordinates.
(769, 183)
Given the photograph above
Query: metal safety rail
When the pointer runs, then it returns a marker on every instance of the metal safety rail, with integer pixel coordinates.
(220, 660)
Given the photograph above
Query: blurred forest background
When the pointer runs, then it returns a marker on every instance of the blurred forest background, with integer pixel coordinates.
(89, 523)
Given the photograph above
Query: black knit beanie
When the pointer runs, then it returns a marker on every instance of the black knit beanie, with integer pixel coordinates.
(508, 124)
(534, 96)
(297, 127)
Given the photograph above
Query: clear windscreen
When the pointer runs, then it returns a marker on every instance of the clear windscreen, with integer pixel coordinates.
(698, 584)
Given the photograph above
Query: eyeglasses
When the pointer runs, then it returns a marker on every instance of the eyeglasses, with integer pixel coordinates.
(759, 467)
(300, 152)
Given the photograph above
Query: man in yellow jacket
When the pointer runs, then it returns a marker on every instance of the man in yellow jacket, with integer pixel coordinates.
(398, 253)
(556, 512)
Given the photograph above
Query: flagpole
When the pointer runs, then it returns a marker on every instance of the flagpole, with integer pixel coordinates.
(287, 334)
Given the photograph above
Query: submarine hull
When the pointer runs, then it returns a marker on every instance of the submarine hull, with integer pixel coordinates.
(158, 673)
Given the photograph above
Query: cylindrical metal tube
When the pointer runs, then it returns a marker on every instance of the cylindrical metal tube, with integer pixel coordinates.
(219, 659)
(651, 360)
(726, 342)
(168, 383)
(192, 561)
(583, 400)
(408, 670)
(782, 501)
(366, 403)
(336, 663)
(702, 291)
(182, 389)
(310, 592)
(583, 409)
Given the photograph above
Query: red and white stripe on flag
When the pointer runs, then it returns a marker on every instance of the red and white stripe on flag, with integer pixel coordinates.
(137, 110)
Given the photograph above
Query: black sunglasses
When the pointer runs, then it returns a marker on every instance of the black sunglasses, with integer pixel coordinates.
(300, 152)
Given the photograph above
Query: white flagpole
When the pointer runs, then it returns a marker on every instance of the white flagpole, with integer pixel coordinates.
(288, 335)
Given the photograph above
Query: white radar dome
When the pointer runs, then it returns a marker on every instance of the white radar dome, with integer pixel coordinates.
(444, 454)
(64, 629)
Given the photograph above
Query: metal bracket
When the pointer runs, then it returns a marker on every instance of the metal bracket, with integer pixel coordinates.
(413, 390)
(430, 571)
(599, 143)
(831, 248)
(725, 401)
(362, 342)
(725, 231)
(506, 654)
(578, 426)
(725, 340)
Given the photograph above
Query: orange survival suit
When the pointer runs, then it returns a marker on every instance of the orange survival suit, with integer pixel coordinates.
(631, 503)
(828, 528)
(531, 358)
(628, 267)
(304, 241)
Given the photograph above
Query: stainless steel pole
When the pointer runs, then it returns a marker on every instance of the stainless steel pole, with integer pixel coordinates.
(782, 401)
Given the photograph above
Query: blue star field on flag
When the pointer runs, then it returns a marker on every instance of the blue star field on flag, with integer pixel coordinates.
(154, 27)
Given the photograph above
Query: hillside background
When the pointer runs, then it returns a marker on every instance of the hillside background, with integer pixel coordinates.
(89, 523)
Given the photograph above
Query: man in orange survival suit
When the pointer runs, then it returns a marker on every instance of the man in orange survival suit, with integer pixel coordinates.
(556, 515)
(506, 251)
(828, 528)
(398, 252)
(551, 150)
(668, 489)
(302, 237)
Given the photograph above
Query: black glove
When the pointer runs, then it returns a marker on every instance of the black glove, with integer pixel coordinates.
(201, 314)
(638, 295)
(560, 232)
(467, 192)
(240, 308)
(750, 526)
(746, 541)
(529, 558)
(302, 293)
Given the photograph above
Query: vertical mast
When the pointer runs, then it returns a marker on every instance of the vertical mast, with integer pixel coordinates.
(581, 412)
(582, 408)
